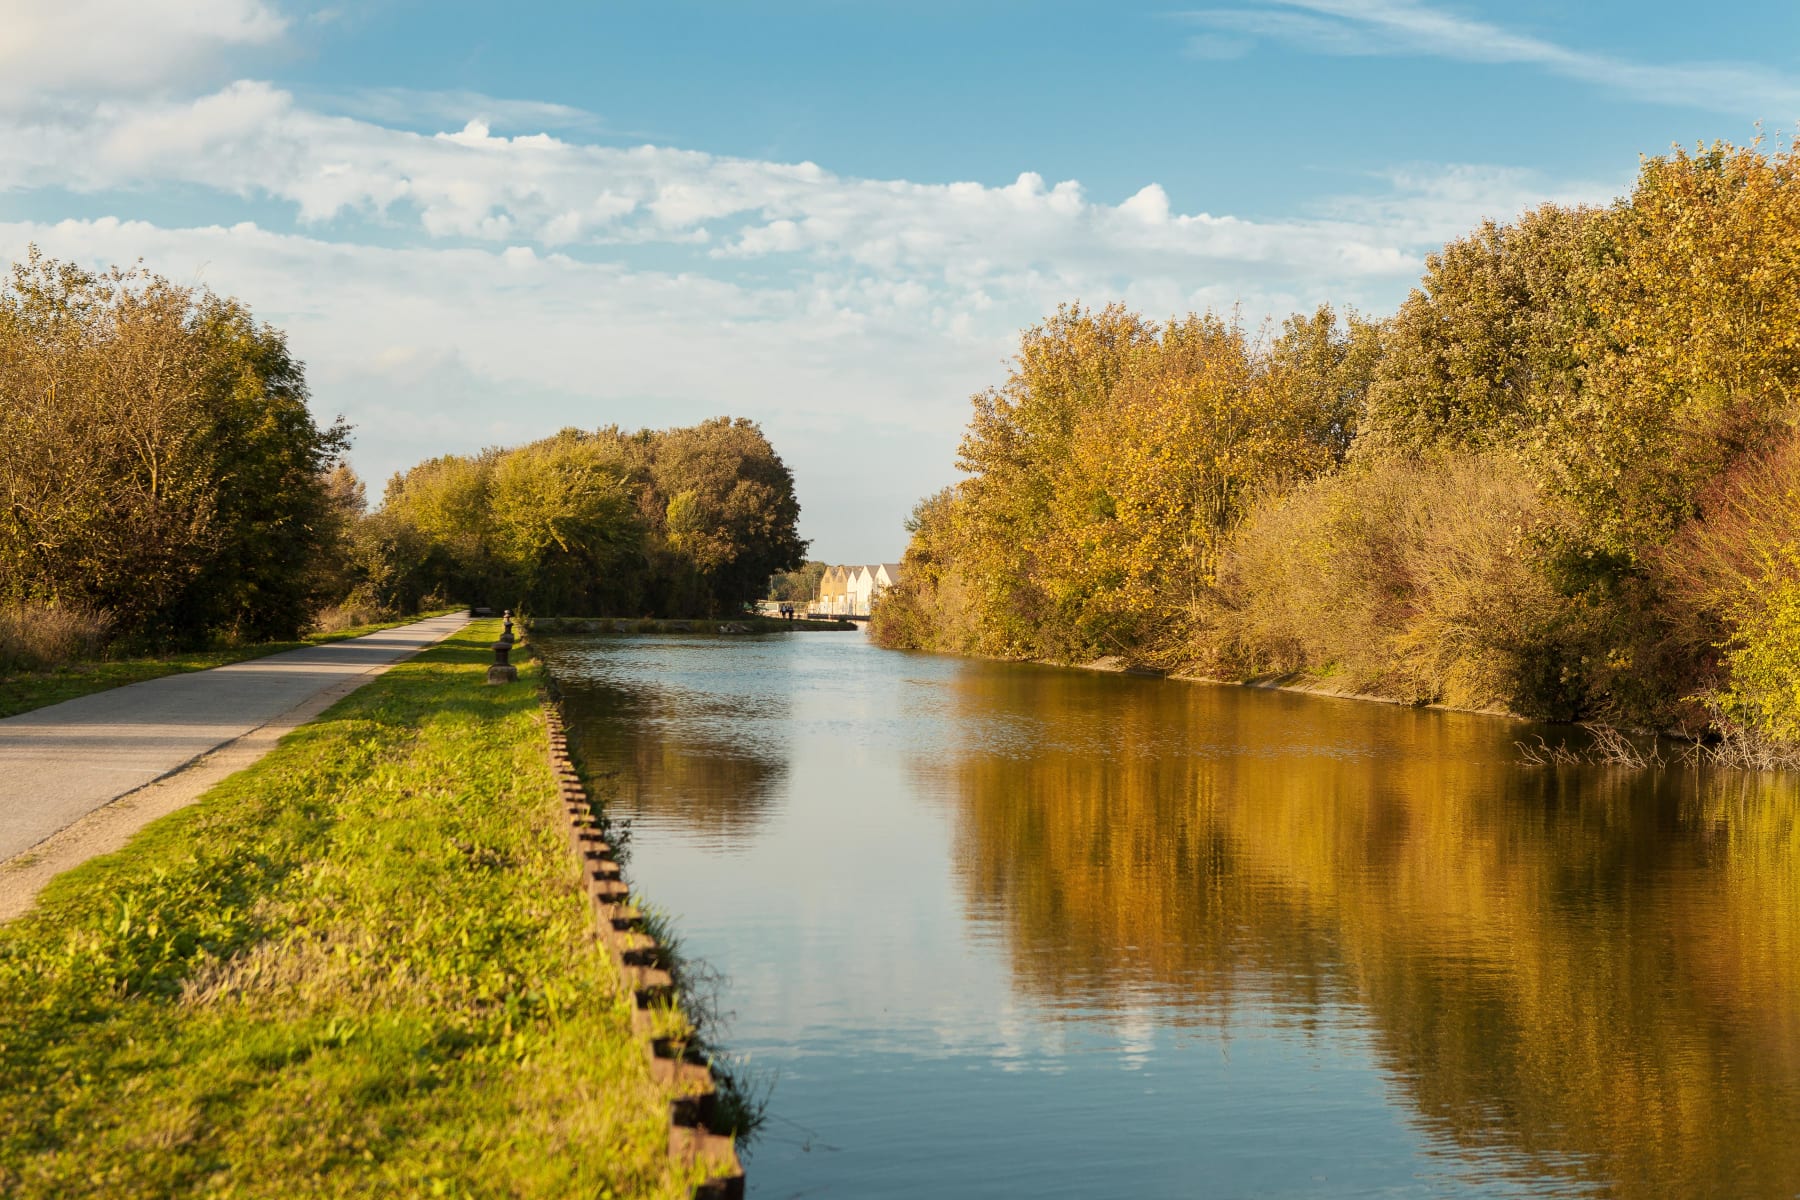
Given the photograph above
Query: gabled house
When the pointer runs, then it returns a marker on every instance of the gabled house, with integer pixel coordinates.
(849, 591)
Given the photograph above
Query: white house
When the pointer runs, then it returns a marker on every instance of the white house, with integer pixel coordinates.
(848, 591)
(859, 589)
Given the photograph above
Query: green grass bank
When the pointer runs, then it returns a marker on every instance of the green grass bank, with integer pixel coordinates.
(360, 967)
(22, 691)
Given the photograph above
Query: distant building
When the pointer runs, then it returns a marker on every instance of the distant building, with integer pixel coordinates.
(850, 591)
(831, 592)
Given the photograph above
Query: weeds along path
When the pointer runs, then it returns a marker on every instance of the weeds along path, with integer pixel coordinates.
(62, 763)
(362, 966)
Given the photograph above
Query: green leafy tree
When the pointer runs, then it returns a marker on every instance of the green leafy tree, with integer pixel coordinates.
(728, 513)
(565, 526)
(801, 584)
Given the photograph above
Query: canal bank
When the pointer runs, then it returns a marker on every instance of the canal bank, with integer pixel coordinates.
(365, 965)
(1291, 681)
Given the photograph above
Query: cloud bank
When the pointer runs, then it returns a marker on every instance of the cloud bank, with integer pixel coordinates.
(461, 287)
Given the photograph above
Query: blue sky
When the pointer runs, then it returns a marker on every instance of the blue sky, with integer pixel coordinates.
(480, 224)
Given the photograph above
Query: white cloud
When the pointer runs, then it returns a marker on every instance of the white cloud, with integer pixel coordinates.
(121, 46)
(251, 139)
(1427, 205)
(460, 289)
(1355, 27)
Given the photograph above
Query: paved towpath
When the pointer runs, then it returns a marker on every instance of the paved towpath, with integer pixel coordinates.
(61, 763)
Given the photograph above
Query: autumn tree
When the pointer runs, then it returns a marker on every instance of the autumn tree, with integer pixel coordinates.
(1017, 445)
(1495, 325)
(1107, 473)
(1499, 495)
(159, 460)
(1200, 421)
(683, 522)
(1694, 353)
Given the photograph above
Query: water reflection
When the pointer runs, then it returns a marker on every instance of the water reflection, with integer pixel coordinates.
(1594, 974)
(1165, 939)
(719, 777)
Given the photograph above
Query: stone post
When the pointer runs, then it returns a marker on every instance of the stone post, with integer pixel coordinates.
(503, 671)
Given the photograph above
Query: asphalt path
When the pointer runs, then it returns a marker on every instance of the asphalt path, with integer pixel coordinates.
(60, 763)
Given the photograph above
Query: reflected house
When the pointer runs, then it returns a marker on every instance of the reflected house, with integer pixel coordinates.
(850, 591)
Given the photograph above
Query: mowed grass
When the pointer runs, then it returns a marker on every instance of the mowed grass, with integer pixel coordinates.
(358, 968)
(22, 691)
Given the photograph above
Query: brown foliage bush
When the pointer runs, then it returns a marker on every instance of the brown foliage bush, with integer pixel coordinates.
(356, 610)
(1732, 576)
(1412, 580)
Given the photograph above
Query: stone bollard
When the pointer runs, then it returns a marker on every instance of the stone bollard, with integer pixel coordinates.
(503, 671)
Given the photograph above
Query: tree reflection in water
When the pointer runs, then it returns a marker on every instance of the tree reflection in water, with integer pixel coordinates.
(718, 779)
(1585, 971)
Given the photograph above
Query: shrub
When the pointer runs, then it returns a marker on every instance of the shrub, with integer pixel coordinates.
(356, 610)
(1415, 581)
(1734, 571)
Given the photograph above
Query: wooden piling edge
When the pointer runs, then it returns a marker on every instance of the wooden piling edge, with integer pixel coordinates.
(687, 1082)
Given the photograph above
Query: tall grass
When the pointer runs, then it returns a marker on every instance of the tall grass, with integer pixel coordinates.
(42, 637)
(353, 613)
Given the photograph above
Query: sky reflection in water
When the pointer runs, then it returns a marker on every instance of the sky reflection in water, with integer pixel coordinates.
(1009, 930)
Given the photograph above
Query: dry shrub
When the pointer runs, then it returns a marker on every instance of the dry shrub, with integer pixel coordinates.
(928, 612)
(355, 611)
(1412, 580)
(1735, 572)
(40, 637)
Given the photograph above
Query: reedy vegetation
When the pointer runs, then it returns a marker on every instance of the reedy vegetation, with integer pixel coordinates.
(1562, 480)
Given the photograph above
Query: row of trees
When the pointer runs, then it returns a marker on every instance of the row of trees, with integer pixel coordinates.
(682, 522)
(163, 482)
(1562, 479)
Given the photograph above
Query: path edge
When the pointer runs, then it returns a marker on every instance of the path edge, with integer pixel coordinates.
(110, 828)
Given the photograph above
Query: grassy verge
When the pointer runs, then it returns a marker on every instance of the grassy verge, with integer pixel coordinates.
(361, 967)
(26, 690)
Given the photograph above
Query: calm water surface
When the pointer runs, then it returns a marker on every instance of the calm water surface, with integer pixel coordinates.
(1004, 930)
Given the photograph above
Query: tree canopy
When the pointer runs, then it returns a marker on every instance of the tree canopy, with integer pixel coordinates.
(1520, 490)
(159, 459)
(682, 522)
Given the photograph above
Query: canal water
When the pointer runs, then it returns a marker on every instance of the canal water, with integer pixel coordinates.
(1002, 930)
